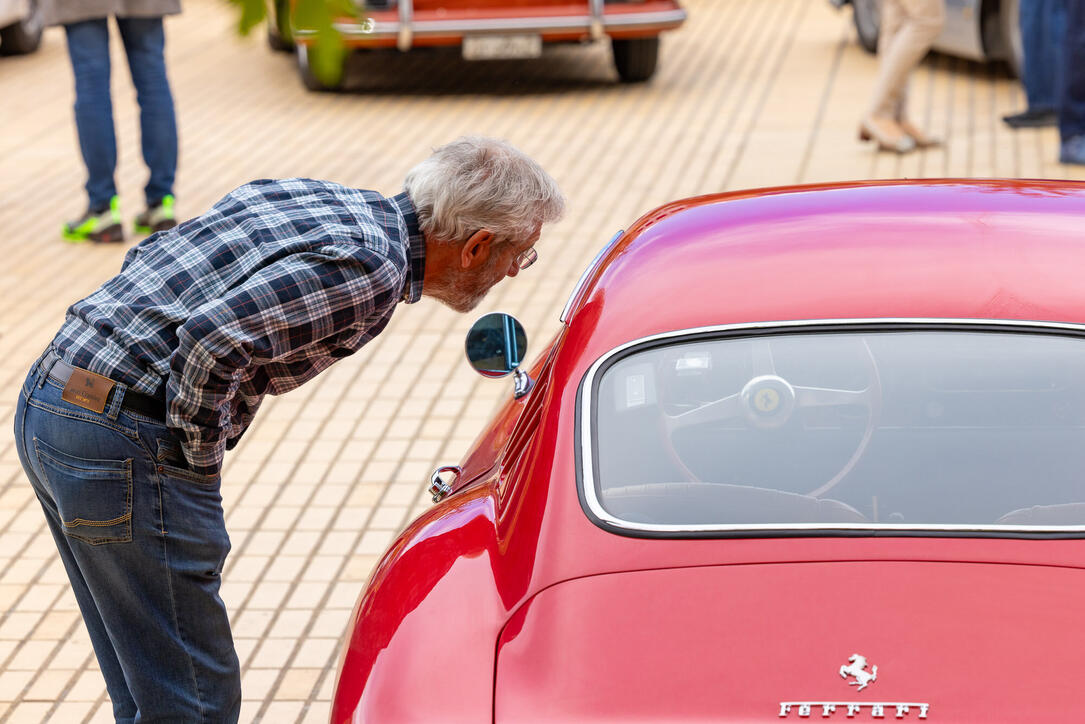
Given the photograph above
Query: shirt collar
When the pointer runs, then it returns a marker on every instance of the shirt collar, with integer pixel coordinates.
(412, 287)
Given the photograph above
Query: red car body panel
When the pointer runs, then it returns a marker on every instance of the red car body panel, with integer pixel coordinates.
(697, 644)
(467, 590)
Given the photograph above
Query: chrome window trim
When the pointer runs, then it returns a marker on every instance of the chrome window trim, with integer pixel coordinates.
(421, 28)
(564, 318)
(586, 404)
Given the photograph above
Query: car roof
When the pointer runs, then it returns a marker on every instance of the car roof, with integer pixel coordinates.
(942, 249)
(948, 249)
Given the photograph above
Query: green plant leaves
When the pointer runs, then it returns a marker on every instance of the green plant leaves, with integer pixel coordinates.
(312, 22)
(252, 13)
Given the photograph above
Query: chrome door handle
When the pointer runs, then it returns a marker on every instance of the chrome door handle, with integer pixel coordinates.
(438, 488)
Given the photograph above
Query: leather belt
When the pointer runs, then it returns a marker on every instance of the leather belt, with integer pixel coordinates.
(146, 405)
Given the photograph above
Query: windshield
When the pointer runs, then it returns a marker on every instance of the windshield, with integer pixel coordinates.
(939, 429)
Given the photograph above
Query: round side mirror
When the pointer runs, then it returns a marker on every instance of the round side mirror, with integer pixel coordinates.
(496, 344)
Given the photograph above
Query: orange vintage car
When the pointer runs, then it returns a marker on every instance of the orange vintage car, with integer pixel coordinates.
(492, 29)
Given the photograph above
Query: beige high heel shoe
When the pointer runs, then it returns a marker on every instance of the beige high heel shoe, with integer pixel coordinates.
(888, 134)
(922, 140)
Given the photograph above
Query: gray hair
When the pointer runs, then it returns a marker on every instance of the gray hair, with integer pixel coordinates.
(482, 183)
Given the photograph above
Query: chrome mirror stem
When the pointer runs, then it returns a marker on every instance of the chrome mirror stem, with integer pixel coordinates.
(522, 383)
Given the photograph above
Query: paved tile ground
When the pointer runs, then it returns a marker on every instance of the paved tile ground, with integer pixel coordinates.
(750, 93)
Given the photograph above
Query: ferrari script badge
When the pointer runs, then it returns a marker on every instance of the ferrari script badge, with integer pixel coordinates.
(856, 668)
(898, 710)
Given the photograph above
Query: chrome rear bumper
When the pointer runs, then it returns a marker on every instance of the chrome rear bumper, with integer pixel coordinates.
(407, 29)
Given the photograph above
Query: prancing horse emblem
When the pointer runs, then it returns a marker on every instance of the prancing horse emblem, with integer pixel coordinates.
(856, 669)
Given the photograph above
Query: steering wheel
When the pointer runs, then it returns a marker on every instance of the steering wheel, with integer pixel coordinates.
(768, 401)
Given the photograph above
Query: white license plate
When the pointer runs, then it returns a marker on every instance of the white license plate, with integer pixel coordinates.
(494, 47)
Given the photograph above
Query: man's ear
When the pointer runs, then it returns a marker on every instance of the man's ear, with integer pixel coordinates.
(476, 250)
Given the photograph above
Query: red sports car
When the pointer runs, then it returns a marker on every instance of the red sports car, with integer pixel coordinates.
(492, 29)
(812, 453)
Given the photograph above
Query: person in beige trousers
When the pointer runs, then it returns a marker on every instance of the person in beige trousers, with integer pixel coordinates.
(908, 28)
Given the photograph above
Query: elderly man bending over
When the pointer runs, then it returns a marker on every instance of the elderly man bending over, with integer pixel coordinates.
(123, 421)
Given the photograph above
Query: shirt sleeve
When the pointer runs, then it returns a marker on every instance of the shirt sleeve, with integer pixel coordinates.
(278, 311)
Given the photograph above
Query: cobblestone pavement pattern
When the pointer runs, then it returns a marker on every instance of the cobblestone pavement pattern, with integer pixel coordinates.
(750, 93)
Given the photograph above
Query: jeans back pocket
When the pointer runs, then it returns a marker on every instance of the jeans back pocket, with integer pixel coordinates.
(93, 497)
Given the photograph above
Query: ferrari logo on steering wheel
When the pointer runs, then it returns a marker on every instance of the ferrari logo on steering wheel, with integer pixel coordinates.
(766, 399)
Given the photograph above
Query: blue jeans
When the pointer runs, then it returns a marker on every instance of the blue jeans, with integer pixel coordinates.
(1043, 24)
(1072, 106)
(144, 42)
(143, 540)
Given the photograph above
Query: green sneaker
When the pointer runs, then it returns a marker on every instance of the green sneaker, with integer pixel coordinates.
(101, 226)
(157, 218)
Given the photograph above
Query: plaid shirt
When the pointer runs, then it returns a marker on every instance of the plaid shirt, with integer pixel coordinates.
(275, 283)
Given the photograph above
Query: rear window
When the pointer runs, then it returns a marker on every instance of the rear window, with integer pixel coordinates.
(941, 429)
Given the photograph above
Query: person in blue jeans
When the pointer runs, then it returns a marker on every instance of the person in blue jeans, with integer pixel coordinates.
(140, 23)
(1043, 24)
(1072, 105)
(123, 423)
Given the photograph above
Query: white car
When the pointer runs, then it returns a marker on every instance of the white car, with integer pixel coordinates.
(975, 29)
(20, 26)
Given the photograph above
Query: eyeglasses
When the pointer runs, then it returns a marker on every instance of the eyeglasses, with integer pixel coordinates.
(526, 258)
(522, 260)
